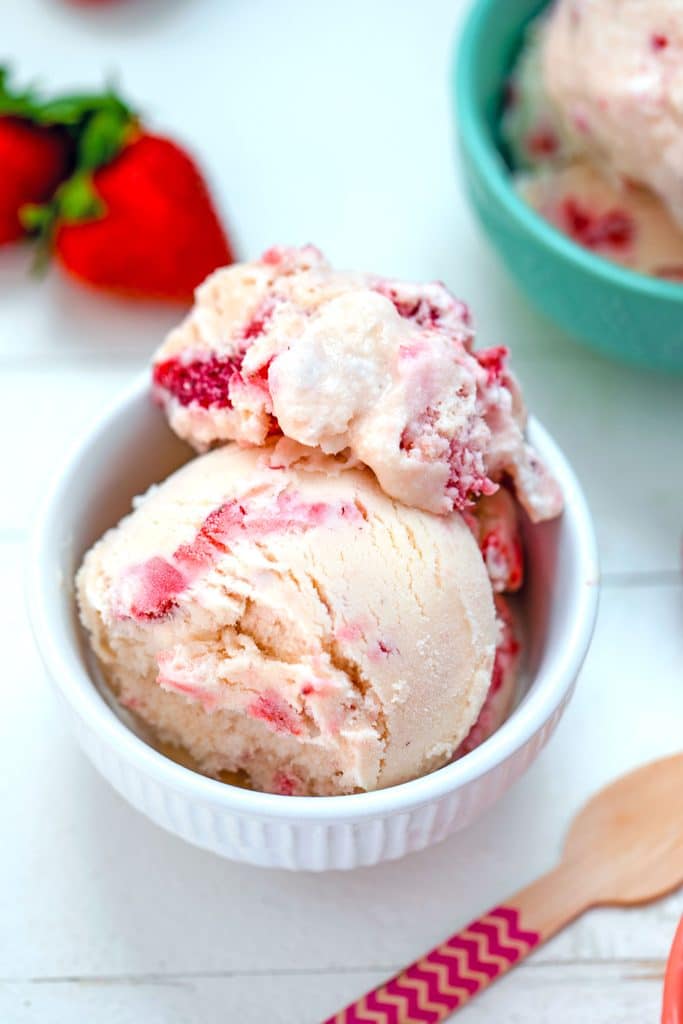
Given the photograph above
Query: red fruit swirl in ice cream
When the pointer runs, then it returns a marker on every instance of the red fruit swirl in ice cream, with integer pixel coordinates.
(542, 142)
(287, 784)
(276, 713)
(507, 650)
(150, 590)
(425, 309)
(673, 273)
(613, 229)
(157, 583)
(204, 381)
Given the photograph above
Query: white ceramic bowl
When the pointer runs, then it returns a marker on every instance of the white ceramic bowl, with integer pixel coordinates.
(131, 447)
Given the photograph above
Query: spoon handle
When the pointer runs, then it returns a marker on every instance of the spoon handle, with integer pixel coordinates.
(442, 981)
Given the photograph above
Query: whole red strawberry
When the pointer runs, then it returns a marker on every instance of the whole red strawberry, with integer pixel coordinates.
(34, 159)
(156, 232)
(135, 216)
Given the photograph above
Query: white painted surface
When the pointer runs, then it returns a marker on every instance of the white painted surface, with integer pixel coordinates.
(328, 122)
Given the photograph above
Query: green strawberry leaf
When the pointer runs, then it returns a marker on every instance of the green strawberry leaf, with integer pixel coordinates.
(77, 199)
(36, 219)
(102, 138)
(73, 112)
(12, 103)
(75, 109)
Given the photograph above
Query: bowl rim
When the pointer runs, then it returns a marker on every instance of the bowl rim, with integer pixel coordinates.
(476, 140)
(550, 687)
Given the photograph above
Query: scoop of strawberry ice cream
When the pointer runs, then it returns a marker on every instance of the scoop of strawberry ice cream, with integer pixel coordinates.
(601, 80)
(613, 71)
(593, 121)
(293, 624)
(344, 362)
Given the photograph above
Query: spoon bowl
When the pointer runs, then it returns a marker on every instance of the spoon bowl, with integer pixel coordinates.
(629, 836)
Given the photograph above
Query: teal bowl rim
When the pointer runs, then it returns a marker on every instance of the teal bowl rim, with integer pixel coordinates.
(476, 138)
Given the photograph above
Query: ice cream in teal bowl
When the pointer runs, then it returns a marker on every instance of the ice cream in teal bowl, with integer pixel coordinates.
(566, 258)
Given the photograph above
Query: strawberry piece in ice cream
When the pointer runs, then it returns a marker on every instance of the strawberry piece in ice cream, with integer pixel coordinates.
(495, 523)
(205, 381)
(625, 224)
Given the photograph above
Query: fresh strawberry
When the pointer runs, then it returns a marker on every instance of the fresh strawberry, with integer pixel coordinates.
(34, 159)
(157, 233)
(135, 216)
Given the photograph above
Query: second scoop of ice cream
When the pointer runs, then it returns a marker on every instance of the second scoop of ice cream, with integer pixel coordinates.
(286, 346)
(594, 120)
(293, 623)
(613, 70)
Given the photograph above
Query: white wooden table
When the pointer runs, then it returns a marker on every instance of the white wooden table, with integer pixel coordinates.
(330, 122)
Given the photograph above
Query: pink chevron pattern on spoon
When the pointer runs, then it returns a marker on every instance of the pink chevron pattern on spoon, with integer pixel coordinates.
(624, 848)
(444, 980)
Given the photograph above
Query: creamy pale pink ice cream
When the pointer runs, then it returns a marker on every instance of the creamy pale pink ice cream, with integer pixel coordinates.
(321, 606)
(380, 370)
(621, 222)
(595, 108)
(296, 624)
(614, 71)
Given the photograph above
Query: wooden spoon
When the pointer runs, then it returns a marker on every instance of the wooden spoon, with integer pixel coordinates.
(624, 847)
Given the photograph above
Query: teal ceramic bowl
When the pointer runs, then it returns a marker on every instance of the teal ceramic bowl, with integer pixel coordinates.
(618, 312)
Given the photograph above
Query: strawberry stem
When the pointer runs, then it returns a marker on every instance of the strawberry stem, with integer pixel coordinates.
(99, 125)
(75, 200)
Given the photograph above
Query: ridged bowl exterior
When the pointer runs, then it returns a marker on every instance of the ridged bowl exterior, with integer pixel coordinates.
(305, 845)
(131, 447)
